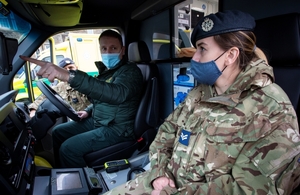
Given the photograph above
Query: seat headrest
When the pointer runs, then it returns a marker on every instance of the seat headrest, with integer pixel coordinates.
(279, 38)
(138, 52)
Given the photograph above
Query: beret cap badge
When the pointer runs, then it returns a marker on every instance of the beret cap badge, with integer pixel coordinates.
(207, 24)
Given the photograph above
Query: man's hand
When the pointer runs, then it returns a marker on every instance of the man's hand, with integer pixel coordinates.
(161, 182)
(49, 70)
(82, 114)
(32, 113)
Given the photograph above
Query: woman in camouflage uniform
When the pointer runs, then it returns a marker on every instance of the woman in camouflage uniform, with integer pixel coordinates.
(236, 132)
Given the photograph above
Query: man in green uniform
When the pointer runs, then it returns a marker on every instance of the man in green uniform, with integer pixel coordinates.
(115, 96)
(76, 99)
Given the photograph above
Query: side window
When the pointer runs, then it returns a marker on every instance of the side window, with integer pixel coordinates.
(82, 46)
(26, 79)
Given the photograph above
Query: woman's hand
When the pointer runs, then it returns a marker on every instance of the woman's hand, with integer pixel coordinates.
(49, 70)
(161, 182)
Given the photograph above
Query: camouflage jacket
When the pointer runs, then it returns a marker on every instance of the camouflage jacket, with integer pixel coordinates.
(77, 100)
(245, 141)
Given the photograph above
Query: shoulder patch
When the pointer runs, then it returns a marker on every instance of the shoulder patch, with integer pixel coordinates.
(184, 137)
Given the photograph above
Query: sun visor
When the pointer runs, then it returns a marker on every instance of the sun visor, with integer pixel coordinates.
(51, 1)
(58, 14)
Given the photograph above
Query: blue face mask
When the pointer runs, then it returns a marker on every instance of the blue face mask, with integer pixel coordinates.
(207, 72)
(110, 60)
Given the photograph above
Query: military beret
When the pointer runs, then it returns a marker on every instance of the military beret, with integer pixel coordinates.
(66, 61)
(222, 22)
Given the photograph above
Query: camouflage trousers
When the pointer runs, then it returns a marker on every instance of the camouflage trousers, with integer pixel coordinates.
(138, 186)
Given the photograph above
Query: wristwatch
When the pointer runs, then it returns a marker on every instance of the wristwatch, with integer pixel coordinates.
(72, 74)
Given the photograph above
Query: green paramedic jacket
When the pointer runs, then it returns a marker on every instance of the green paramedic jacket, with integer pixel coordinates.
(245, 141)
(115, 95)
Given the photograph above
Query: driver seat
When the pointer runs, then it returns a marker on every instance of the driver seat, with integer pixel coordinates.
(146, 120)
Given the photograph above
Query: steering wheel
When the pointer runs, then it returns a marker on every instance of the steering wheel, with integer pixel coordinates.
(57, 100)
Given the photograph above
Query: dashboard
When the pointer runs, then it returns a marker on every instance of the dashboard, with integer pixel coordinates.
(16, 146)
(19, 137)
